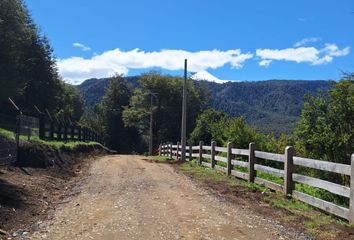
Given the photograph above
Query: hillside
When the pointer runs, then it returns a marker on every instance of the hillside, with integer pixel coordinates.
(93, 89)
(271, 106)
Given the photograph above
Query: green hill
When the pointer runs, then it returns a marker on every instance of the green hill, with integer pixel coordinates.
(271, 106)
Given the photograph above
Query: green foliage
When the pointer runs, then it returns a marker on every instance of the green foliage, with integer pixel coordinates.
(270, 106)
(28, 72)
(166, 106)
(326, 128)
(72, 104)
(17, 34)
(109, 113)
(7, 134)
(214, 125)
(162, 159)
(209, 126)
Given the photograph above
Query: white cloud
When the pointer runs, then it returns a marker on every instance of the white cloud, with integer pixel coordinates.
(265, 63)
(81, 46)
(77, 69)
(305, 41)
(311, 55)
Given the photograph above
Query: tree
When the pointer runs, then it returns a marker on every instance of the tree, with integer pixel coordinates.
(110, 110)
(209, 126)
(27, 68)
(326, 128)
(17, 33)
(167, 106)
(71, 104)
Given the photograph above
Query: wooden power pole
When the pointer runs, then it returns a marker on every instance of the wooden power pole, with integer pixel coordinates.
(184, 114)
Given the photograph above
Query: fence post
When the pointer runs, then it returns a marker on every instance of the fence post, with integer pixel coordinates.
(59, 132)
(288, 170)
(201, 143)
(229, 157)
(160, 148)
(212, 152)
(251, 161)
(72, 132)
(41, 127)
(65, 133)
(171, 154)
(85, 134)
(351, 200)
(51, 134)
(79, 133)
(190, 151)
(178, 143)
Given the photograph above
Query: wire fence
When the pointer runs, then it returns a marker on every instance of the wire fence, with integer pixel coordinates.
(8, 137)
(29, 126)
(22, 127)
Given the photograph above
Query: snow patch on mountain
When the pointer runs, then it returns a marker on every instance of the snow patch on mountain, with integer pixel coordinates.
(206, 76)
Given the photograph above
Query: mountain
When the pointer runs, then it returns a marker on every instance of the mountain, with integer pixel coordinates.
(93, 89)
(271, 106)
(206, 76)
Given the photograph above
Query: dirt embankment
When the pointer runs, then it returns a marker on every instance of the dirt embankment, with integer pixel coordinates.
(41, 180)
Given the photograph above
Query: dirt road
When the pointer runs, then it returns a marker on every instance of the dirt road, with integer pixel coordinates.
(125, 197)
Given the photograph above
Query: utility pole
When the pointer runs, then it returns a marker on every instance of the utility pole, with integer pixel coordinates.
(184, 114)
(151, 119)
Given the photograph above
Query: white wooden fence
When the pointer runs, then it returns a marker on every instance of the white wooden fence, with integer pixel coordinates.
(287, 173)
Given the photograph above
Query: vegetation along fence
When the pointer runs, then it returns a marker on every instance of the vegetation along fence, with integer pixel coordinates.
(252, 165)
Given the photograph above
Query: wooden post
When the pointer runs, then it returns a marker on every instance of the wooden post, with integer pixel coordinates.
(184, 114)
(41, 127)
(190, 152)
(251, 161)
(79, 133)
(72, 132)
(288, 170)
(177, 154)
(160, 148)
(171, 154)
(201, 143)
(229, 157)
(65, 133)
(59, 133)
(212, 152)
(51, 134)
(351, 200)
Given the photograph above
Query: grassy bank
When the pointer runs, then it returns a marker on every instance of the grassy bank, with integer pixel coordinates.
(54, 144)
(260, 199)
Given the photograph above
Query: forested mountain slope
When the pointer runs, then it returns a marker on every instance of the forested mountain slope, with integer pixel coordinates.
(271, 106)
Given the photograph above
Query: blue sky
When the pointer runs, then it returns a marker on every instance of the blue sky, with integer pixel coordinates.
(233, 40)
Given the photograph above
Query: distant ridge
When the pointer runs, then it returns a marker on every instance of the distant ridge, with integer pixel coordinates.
(272, 105)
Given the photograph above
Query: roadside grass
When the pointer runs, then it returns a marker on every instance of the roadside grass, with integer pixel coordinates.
(317, 223)
(161, 159)
(7, 134)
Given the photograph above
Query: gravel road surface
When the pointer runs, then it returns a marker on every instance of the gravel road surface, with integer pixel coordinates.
(126, 197)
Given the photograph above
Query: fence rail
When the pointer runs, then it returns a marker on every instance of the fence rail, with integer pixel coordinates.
(209, 156)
